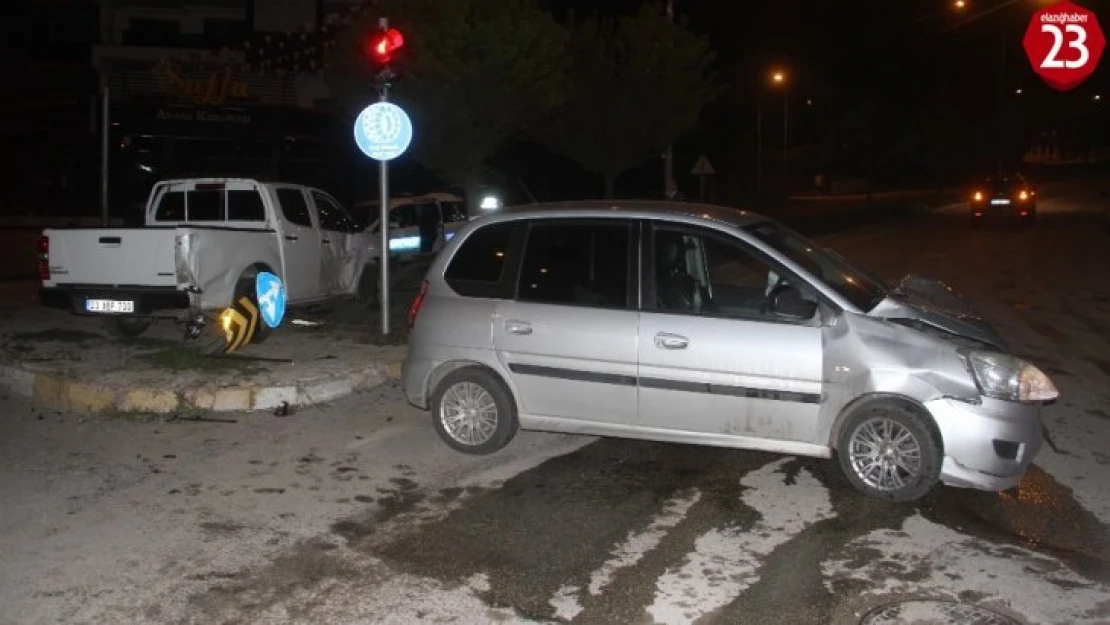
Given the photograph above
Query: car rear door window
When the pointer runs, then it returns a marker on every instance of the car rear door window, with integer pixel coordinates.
(478, 267)
(577, 263)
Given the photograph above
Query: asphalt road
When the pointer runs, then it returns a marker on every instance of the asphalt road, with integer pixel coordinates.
(356, 513)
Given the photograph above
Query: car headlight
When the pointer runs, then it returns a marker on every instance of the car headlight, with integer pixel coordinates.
(1007, 377)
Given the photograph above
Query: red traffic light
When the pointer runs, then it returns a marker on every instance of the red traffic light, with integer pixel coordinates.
(381, 46)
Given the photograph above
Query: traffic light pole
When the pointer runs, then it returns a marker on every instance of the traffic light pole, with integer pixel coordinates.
(383, 219)
(669, 185)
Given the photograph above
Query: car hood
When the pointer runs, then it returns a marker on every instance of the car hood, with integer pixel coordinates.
(934, 303)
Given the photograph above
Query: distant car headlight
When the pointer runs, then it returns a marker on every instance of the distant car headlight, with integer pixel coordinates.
(1024, 195)
(1007, 377)
(978, 196)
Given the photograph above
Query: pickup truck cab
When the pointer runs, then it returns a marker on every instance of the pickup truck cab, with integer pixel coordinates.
(203, 243)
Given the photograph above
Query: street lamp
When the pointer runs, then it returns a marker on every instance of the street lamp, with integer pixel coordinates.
(779, 79)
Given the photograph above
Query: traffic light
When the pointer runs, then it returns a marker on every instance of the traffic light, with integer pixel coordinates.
(381, 45)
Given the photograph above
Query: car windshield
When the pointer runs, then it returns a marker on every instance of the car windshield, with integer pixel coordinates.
(863, 290)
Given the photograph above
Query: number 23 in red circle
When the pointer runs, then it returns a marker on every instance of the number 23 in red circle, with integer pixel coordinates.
(1064, 43)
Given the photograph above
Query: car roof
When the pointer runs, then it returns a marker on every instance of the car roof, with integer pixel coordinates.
(636, 209)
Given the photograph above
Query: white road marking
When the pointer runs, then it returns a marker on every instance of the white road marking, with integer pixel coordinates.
(726, 561)
(926, 559)
(627, 553)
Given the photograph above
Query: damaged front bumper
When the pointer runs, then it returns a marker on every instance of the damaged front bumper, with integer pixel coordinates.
(987, 445)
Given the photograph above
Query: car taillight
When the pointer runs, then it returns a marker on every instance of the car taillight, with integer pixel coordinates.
(417, 303)
(44, 257)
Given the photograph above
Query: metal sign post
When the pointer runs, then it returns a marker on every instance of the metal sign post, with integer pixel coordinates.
(105, 153)
(383, 131)
(383, 219)
(702, 168)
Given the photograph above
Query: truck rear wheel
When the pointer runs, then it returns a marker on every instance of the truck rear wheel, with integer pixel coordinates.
(129, 327)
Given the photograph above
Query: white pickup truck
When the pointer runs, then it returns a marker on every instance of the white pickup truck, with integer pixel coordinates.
(203, 243)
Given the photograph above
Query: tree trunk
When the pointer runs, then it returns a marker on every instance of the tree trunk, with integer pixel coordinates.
(473, 189)
(610, 185)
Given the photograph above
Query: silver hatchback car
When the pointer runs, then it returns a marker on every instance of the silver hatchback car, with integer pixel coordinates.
(707, 325)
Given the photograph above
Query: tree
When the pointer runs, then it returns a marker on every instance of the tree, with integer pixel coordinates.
(871, 138)
(476, 74)
(639, 83)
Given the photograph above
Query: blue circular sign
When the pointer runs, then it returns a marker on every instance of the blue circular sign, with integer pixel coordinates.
(271, 298)
(383, 131)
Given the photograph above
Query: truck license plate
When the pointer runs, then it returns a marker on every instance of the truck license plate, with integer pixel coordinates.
(109, 306)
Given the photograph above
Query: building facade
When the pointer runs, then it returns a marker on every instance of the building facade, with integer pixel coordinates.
(219, 88)
(47, 136)
(204, 88)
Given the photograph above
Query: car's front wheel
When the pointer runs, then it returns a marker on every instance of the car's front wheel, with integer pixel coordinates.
(473, 412)
(889, 451)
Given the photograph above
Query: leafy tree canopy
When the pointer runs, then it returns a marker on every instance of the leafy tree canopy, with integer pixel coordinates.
(476, 73)
(639, 82)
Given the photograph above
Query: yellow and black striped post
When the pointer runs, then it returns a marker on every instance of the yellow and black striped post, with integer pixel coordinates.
(239, 324)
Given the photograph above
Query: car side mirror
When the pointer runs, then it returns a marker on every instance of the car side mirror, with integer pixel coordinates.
(787, 301)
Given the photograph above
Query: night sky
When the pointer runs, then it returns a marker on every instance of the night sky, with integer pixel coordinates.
(924, 58)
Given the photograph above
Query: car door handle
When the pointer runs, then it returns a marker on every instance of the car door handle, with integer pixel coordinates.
(666, 340)
(518, 327)
(290, 237)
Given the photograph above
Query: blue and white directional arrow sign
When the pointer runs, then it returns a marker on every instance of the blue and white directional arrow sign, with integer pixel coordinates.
(271, 298)
(383, 131)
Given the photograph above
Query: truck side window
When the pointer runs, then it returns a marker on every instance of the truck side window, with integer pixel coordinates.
(171, 207)
(294, 207)
(245, 205)
(205, 205)
(332, 215)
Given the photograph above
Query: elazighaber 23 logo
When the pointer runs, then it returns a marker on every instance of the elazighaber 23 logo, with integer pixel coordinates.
(1064, 42)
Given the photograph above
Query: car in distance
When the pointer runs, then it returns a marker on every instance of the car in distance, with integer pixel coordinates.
(697, 324)
(1003, 195)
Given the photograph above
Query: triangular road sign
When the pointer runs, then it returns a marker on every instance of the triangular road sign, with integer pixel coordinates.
(702, 167)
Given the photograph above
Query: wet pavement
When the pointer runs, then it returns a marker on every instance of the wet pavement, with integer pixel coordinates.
(356, 513)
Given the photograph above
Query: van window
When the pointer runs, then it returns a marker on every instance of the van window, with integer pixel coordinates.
(453, 211)
(576, 263)
(479, 264)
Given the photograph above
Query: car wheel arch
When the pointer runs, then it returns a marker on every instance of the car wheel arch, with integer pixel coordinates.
(870, 399)
(436, 377)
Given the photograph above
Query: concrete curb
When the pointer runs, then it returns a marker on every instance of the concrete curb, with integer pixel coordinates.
(59, 393)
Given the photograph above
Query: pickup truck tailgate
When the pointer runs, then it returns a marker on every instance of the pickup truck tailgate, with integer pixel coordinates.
(106, 256)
